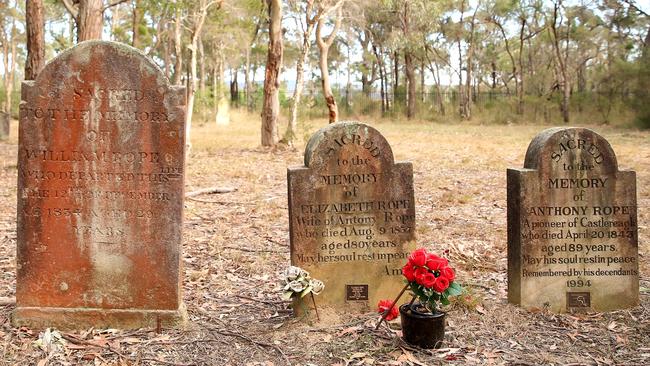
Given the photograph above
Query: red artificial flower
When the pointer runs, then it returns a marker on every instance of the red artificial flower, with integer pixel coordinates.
(384, 305)
(418, 258)
(436, 263)
(448, 273)
(428, 280)
(431, 256)
(420, 272)
(442, 283)
(409, 272)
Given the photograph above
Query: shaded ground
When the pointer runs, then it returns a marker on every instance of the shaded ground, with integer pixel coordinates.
(236, 244)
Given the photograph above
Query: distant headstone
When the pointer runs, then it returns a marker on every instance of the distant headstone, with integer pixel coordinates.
(100, 192)
(4, 124)
(223, 112)
(572, 226)
(352, 216)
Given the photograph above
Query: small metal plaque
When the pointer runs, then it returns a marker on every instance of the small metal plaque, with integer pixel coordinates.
(356, 292)
(578, 299)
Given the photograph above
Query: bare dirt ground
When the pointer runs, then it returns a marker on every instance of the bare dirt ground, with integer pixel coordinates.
(236, 245)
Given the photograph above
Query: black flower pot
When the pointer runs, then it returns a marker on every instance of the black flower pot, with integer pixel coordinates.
(424, 330)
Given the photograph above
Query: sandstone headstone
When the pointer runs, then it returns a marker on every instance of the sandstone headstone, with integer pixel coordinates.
(100, 192)
(352, 216)
(572, 226)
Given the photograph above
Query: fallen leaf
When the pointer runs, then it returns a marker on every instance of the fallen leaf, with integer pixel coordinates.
(612, 325)
(349, 330)
(480, 309)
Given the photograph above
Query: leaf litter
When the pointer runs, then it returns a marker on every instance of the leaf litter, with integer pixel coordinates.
(236, 245)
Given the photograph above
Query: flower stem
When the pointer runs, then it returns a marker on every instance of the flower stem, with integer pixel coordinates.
(315, 308)
(412, 301)
(305, 311)
(387, 311)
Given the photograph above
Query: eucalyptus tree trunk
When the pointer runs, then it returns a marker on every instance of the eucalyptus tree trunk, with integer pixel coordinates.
(290, 133)
(35, 38)
(248, 87)
(561, 62)
(199, 20)
(88, 15)
(324, 46)
(178, 48)
(410, 79)
(9, 63)
(271, 106)
(137, 19)
(520, 90)
(201, 67)
(381, 79)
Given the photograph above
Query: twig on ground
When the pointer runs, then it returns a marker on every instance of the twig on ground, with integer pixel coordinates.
(72, 339)
(255, 250)
(477, 285)
(272, 303)
(246, 338)
(220, 202)
(167, 362)
(350, 324)
(275, 241)
(211, 190)
(107, 347)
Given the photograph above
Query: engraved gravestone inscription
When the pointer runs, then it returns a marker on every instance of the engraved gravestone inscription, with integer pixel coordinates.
(352, 215)
(100, 192)
(572, 226)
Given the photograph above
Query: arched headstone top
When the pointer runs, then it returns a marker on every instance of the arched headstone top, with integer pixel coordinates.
(100, 71)
(349, 139)
(84, 54)
(573, 146)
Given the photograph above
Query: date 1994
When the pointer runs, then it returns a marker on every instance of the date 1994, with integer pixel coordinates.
(578, 283)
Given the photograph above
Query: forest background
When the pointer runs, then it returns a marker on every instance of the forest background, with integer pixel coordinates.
(487, 61)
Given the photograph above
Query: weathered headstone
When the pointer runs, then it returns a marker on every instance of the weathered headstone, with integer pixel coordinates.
(352, 216)
(100, 192)
(572, 226)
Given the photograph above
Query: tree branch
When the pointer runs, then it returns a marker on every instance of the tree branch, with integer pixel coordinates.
(71, 9)
(319, 37)
(633, 6)
(337, 25)
(112, 4)
(325, 12)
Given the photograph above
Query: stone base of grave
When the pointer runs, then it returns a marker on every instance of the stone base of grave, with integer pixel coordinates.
(84, 318)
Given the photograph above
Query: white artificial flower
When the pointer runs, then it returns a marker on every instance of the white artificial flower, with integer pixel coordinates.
(317, 286)
(296, 286)
(292, 273)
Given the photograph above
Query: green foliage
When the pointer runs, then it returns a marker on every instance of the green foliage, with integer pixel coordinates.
(603, 42)
(430, 298)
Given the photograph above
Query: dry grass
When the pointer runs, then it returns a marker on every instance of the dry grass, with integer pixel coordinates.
(235, 246)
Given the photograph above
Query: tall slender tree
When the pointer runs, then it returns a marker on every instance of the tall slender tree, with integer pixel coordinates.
(271, 106)
(324, 45)
(88, 16)
(35, 24)
(198, 20)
